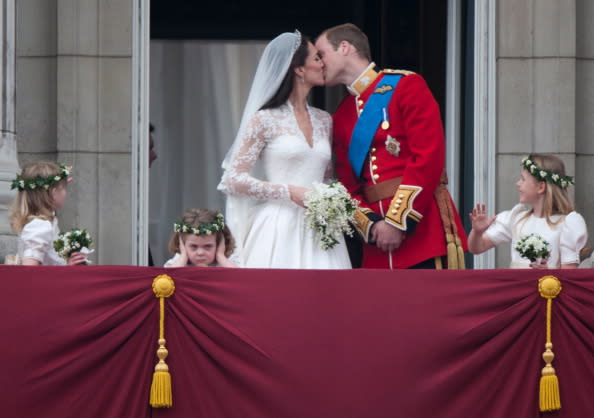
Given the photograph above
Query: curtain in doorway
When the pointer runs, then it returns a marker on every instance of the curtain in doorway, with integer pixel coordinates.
(197, 93)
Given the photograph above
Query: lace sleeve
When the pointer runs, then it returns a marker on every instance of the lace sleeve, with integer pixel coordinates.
(237, 179)
(326, 123)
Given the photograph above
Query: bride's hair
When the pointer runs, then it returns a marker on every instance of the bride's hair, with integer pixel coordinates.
(284, 91)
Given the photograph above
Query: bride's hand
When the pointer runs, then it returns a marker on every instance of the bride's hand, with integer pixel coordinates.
(297, 194)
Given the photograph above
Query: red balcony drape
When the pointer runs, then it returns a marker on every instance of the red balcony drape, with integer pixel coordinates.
(81, 342)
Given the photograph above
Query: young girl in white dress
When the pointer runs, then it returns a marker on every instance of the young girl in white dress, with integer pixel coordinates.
(201, 239)
(41, 191)
(281, 149)
(544, 209)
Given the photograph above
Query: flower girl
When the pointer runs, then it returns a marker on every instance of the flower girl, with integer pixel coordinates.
(201, 239)
(41, 191)
(542, 222)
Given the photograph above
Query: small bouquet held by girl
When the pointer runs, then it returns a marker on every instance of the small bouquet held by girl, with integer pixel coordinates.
(329, 212)
(75, 240)
(533, 247)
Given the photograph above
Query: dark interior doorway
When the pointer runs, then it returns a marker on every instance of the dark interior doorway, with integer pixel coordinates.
(407, 35)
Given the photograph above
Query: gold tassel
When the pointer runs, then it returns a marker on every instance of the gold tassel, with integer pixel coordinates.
(452, 252)
(550, 399)
(461, 261)
(161, 395)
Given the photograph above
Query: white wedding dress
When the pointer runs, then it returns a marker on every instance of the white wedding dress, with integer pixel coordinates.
(274, 146)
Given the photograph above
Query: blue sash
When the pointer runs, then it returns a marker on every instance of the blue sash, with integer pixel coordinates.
(369, 121)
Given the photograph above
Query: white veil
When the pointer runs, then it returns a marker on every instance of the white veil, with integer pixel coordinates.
(271, 71)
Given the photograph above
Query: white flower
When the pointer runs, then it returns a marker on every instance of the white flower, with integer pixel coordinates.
(555, 177)
(57, 178)
(329, 209)
(22, 183)
(532, 168)
(543, 174)
(532, 247)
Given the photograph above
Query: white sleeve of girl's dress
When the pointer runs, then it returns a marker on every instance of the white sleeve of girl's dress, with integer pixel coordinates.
(500, 231)
(573, 238)
(37, 239)
(169, 262)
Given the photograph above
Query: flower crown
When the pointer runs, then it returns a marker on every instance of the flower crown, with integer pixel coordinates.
(22, 184)
(542, 174)
(204, 229)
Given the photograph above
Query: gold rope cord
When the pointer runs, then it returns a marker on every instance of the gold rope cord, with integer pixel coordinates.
(550, 400)
(161, 394)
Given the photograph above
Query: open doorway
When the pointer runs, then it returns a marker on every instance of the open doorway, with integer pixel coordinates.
(203, 57)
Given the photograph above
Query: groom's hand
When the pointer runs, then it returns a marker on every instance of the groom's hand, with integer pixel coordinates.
(386, 236)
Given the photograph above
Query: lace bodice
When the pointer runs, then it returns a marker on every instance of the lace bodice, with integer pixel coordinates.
(274, 140)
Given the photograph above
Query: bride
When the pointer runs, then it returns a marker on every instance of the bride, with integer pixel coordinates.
(282, 147)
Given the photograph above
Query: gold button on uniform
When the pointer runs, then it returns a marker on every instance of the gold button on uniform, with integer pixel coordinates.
(374, 167)
(373, 158)
(398, 201)
(394, 211)
(401, 196)
(376, 176)
(372, 149)
(360, 102)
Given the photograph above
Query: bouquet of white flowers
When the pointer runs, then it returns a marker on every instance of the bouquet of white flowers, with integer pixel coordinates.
(533, 247)
(329, 209)
(73, 241)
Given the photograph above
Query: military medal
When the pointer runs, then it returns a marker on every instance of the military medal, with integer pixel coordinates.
(385, 124)
(393, 146)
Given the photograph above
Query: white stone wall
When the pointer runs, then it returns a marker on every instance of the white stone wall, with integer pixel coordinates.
(584, 112)
(74, 91)
(543, 100)
(8, 155)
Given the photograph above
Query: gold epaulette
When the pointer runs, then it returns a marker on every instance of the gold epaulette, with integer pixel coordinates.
(401, 72)
(402, 206)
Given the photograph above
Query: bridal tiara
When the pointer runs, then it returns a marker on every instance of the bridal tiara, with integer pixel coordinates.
(297, 40)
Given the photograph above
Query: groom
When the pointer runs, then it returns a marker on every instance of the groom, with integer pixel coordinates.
(390, 153)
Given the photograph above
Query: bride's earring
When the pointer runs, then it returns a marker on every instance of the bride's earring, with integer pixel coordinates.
(302, 79)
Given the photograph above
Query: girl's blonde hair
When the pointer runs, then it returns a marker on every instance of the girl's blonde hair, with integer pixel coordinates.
(35, 203)
(199, 217)
(556, 199)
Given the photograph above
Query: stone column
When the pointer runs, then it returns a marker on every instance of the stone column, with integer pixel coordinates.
(94, 90)
(8, 153)
(536, 90)
(584, 102)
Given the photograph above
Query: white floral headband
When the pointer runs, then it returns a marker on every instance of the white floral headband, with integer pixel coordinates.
(21, 184)
(542, 174)
(204, 229)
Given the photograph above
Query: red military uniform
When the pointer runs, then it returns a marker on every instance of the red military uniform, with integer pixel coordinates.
(411, 148)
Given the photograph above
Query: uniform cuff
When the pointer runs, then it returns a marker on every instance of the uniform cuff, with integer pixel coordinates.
(401, 208)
